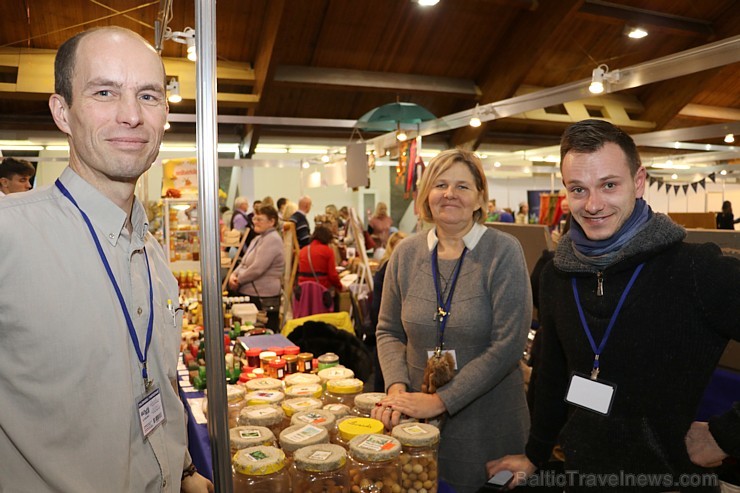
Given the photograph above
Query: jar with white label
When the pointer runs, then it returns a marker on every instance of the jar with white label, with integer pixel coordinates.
(335, 373)
(373, 463)
(352, 426)
(266, 415)
(301, 379)
(298, 404)
(320, 469)
(419, 466)
(260, 469)
(364, 403)
(317, 417)
(339, 410)
(266, 383)
(274, 397)
(295, 437)
(343, 391)
(243, 437)
(314, 390)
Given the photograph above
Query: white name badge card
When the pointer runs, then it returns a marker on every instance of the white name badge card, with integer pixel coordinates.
(151, 412)
(594, 395)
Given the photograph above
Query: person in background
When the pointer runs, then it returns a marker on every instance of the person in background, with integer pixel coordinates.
(378, 278)
(463, 288)
(300, 218)
(281, 205)
(522, 215)
(726, 219)
(379, 225)
(268, 201)
(15, 175)
(90, 269)
(260, 273)
(240, 219)
(289, 210)
(498, 215)
(332, 211)
(633, 323)
(317, 260)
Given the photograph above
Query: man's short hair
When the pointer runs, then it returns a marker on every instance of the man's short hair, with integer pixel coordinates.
(12, 166)
(588, 136)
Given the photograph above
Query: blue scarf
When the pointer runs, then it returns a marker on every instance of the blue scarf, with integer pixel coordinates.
(597, 251)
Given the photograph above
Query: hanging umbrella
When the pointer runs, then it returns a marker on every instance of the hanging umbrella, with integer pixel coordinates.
(387, 117)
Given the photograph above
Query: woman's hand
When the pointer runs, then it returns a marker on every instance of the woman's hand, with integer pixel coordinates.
(401, 404)
(233, 282)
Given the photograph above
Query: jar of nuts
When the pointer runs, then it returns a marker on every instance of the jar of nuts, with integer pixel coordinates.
(260, 469)
(243, 437)
(320, 469)
(418, 459)
(374, 463)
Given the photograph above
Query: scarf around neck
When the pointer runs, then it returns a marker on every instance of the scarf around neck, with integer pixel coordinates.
(601, 252)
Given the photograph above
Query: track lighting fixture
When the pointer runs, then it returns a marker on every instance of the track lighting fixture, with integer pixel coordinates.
(600, 76)
(186, 37)
(475, 119)
(173, 90)
(729, 138)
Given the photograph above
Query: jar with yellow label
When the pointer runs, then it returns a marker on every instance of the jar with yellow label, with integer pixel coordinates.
(320, 469)
(365, 402)
(351, 426)
(266, 415)
(314, 390)
(373, 463)
(419, 466)
(235, 402)
(295, 437)
(260, 469)
(243, 437)
(343, 391)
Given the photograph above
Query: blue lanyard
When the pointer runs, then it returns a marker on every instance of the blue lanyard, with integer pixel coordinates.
(129, 322)
(600, 349)
(443, 308)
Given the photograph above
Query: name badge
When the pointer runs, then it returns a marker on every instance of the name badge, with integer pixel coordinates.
(151, 412)
(594, 395)
(444, 351)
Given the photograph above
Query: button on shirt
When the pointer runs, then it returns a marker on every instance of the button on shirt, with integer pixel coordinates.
(70, 378)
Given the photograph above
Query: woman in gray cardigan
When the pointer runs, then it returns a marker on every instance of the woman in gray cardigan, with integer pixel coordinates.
(260, 273)
(483, 324)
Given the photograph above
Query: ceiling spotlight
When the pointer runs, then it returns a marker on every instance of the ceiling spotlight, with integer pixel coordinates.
(427, 3)
(325, 158)
(601, 75)
(729, 138)
(475, 119)
(635, 32)
(723, 172)
(401, 136)
(186, 37)
(674, 176)
(304, 164)
(497, 164)
(173, 88)
(191, 49)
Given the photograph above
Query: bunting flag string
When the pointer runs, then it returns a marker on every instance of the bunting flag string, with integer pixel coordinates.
(668, 186)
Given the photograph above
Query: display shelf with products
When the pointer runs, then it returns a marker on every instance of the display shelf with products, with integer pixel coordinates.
(181, 234)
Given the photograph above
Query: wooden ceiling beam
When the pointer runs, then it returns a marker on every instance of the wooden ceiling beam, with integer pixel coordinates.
(352, 80)
(520, 48)
(645, 17)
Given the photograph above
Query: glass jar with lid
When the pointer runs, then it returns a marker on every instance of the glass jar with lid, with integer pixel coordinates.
(328, 360)
(264, 397)
(291, 364)
(335, 373)
(266, 383)
(352, 426)
(260, 469)
(305, 362)
(320, 469)
(298, 404)
(419, 466)
(243, 437)
(266, 415)
(265, 358)
(301, 379)
(314, 390)
(295, 437)
(317, 417)
(339, 410)
(374, 463)
(343, 391)
(365, 402)
(235, 402)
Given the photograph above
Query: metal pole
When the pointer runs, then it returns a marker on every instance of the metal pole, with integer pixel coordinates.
(206, 140)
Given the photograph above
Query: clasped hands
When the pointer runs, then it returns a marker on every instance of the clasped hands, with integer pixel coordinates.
(399, 404)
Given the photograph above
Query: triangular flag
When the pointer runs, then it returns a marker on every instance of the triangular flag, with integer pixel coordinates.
(685, 188)
(675, 189)
(660, 185)
(651, 180)
(695, 185)
(711, 177)
(703, 183)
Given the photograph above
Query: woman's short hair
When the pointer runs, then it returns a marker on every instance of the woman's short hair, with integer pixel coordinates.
(269, 212)
(441, 163)
(323, 234)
